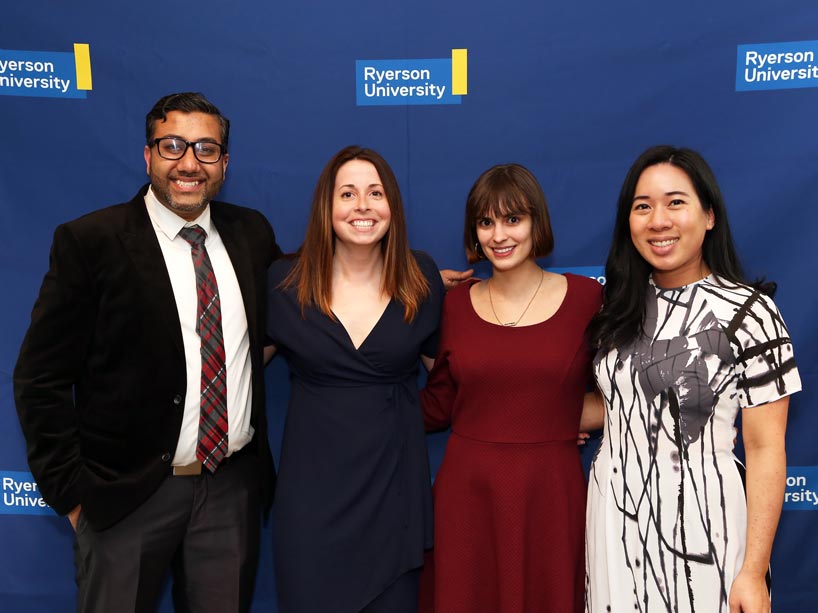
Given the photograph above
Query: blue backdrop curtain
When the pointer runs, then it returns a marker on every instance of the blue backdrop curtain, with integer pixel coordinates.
(574, 91)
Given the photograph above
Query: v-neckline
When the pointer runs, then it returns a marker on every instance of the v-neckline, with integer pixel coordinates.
(368, 334)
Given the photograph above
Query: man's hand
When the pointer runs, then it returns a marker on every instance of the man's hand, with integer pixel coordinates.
(453, 278)
(269, 353)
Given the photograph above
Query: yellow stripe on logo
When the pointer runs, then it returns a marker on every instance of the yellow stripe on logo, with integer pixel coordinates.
(82, 60)
(460, 72)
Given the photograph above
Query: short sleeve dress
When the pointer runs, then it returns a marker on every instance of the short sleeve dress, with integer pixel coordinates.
(353, 508)
(666, 517)
(510, 493)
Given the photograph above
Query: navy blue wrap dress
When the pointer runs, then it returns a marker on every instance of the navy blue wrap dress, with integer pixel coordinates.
(353, 506)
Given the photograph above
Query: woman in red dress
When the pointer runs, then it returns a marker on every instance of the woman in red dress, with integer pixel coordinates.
(509, 379)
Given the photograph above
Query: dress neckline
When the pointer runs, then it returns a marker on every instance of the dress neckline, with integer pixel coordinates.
(343, 327)
(554, 315)
(709, 278)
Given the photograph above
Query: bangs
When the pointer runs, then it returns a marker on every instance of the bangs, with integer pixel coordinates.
(502, 203)
(501, 195)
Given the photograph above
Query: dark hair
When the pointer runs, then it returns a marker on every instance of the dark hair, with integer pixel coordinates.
(626, 272)
(501, 191)
(312, 273)
(186, 102)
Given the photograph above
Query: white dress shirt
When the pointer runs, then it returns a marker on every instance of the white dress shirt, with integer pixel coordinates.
(179, 263)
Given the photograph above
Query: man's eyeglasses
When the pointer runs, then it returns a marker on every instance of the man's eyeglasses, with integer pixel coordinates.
(172, 148)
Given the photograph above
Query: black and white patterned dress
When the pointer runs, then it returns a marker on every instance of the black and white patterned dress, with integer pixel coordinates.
(666, 516)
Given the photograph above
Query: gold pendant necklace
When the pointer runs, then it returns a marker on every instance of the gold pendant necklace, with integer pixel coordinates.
(512, 324)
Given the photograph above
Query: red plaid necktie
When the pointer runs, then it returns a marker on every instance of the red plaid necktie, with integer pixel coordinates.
(212, 445)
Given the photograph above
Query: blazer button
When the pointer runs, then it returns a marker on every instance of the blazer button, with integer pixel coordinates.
(177, 399)
(166, 457)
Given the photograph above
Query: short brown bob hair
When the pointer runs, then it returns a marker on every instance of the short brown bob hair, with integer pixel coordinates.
(501, 191)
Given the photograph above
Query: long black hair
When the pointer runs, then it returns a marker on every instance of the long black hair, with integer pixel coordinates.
(626, 272)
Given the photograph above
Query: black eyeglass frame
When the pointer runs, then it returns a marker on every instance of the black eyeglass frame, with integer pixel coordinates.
(188, 144)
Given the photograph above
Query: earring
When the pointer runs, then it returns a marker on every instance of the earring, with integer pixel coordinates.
(479, 250)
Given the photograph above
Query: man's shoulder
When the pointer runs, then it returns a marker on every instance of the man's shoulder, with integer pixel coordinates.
(251, 224)
(103, 215)
(234, 211)
(109, 218)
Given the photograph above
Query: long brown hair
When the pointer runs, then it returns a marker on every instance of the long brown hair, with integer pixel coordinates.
(312, 273)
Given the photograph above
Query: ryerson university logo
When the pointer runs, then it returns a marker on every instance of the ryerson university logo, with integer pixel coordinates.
(46, 74)
(777, 66)
(21, 496)
(401, 82)
(802, 489)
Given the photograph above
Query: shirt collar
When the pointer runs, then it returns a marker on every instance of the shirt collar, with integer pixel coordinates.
(168, 222)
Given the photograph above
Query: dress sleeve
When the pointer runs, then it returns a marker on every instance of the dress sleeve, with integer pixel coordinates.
(765, 362)
(433, 302)
(439, 395)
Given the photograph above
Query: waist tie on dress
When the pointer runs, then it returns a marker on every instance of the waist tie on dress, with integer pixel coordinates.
(361, 380)
(401, 397)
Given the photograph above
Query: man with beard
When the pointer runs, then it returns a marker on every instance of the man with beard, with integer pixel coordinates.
(139, 384)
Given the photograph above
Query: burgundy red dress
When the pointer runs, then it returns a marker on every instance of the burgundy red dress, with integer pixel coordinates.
(510, 493)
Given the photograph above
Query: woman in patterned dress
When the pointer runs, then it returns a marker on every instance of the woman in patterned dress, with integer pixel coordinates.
(684, 343)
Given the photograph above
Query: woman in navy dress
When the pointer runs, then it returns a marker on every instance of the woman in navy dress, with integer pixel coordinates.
(353, 314)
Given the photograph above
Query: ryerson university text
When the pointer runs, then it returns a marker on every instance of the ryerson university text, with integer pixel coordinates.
(381, 83)
(766, 66)
(10, 75)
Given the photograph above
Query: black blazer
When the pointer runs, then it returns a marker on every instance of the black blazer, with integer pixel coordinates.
(100, 380)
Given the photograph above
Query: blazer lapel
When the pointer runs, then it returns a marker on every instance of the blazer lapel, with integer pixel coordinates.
(142, 246)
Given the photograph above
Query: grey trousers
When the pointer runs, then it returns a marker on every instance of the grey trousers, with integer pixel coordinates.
(204, 529)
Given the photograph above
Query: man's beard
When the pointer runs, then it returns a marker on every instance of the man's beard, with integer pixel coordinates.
(161, 188)
(166, 198)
